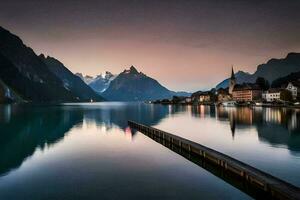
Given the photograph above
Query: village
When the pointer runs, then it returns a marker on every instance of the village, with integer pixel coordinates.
(246, 94)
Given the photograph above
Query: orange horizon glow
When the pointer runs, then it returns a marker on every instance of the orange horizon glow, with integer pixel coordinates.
(185, 45)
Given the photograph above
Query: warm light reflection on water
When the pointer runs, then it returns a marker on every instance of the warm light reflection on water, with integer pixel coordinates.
(53, 149)
(267, 138)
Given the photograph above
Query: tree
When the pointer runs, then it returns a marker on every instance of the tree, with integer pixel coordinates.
(286, 95)
(263, 83)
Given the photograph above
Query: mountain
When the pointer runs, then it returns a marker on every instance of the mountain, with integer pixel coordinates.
(102, 82)
(87, 79)
(70, 81)
(131, 85)
(283, 81)
(240, 76)
(26, 74)
(181, 94)
(273, 69)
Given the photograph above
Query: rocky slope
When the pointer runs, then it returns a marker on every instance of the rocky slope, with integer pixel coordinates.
(71, 82)
(27, 75)
(24, 72)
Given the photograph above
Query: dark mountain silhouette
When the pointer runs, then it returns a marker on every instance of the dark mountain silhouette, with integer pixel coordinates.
(283, 81)
(241, 77)
(131, 85)
(26, 74)
(71, 82)
(273, 69)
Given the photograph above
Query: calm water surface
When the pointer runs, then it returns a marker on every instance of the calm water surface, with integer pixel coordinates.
(87, 151)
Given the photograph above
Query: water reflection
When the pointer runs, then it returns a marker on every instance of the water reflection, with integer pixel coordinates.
(111, 116)
(277, 126)
(5, 115)
(22, 132)
(221, 173)
(23, 129)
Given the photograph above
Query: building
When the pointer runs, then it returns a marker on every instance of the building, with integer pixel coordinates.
(201, 97)
(246, 92)
(273, 94)
(205, 97)
(232, 82)
(294, 88)
(223, 95)
(188, 100)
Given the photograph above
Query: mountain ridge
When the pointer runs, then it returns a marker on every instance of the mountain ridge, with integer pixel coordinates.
(24, 73)
(273, 69)
(132, 85)
(71, 82)
(99, 83)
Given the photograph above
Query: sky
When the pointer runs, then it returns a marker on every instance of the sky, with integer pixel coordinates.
(187, 45)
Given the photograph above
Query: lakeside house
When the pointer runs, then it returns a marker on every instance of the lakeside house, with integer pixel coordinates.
(188, 99)
(246, 92)
(201, 97)
(294, 88)
(223, 95)
(238, 94)
(243, 92)
(272, 95)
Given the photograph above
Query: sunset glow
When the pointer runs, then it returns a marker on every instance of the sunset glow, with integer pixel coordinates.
(186, 45)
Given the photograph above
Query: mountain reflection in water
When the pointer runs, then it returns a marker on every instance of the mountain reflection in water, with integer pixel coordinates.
(25, 128)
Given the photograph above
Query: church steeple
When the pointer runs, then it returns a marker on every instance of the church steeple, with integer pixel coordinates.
(232, 74)
(232, 81)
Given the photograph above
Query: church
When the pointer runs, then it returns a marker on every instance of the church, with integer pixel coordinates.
(245, 92)
(232, 82)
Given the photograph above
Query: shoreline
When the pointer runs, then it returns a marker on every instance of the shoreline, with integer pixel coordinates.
(238, 105)
(173, 104)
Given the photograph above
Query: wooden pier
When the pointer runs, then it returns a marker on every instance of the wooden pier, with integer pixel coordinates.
(254, 182)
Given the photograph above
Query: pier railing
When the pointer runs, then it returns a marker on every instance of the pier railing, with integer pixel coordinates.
(264, 184)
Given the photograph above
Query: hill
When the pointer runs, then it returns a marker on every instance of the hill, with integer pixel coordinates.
(273, 69)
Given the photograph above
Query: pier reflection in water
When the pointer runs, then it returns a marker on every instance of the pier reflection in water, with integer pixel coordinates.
(83, 152)
(267, 138)
(248, 179)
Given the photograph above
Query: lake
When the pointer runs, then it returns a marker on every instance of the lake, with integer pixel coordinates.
(87, 151)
